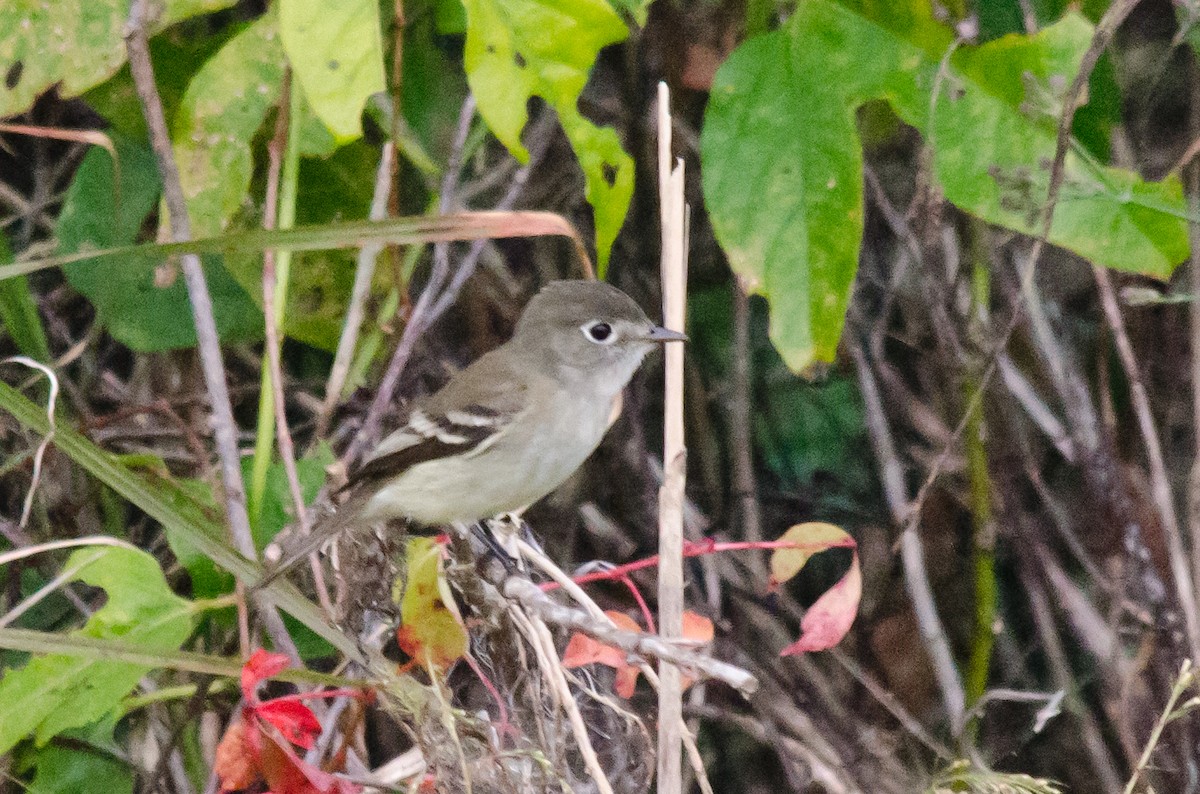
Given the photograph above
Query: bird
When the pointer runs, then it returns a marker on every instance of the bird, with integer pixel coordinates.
(510, 427)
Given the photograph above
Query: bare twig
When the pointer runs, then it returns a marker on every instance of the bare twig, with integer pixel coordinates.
(1105, 30)
(557, 679)
(912, 555)
(364, 274)
(1160, 485)
(544, 564)
(745, 485)
(418, 319)
(1185, 680)
(1193, 199)
(281, 147)
(670, 497)
(224, 427)
(647, 646)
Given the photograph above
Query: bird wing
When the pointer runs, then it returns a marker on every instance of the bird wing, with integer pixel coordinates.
(464, 418)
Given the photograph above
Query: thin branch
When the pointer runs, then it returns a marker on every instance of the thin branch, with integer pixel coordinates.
(280, 149)
(40, 453)
(224, 427)
(912, 554)
(1160, 486)
(418, 320)
(647, 646)
(364, 275)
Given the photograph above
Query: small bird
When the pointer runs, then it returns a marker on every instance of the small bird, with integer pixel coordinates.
(513, 425)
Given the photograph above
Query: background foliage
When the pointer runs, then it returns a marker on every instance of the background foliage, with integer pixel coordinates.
(935, 298)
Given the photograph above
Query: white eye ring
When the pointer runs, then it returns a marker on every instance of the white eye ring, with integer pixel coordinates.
(599, 332)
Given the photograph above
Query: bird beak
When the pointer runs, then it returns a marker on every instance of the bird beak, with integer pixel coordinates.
(660, 334)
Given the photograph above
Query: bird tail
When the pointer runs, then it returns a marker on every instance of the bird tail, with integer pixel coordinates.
(325, 529)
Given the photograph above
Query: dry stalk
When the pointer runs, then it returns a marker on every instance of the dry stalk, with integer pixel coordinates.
(670, 497)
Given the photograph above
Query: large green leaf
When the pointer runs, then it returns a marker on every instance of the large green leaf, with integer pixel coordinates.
(88, 761)
(336, 53)
(782, 163)
(518, 49)
(51, 694)
(142, 301)
(75, 44)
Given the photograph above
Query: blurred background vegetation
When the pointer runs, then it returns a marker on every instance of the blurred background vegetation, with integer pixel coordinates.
(935, 297)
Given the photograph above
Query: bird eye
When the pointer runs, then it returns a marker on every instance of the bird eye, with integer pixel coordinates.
(600, 332)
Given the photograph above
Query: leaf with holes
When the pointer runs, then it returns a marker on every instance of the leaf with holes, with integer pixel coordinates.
(336, 50)
(518, 49)
(70, 44)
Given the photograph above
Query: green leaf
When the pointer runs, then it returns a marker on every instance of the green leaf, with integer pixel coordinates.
(223, 107)
(67, 769)
(321, 281)
(87, 763)
(638, 10)
(517, 49)
(782, 163)
(194, 499)
(19, 313)
(162, 508)
(336, 53)
(53, 693)
(71, 44)
(434, 85)
(143, 302)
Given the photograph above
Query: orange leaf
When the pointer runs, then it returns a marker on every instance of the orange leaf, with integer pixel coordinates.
(828, 620)
(236, 764)
(811, 538)
(697, 628)
(583, 649)
(626, 683)
(287, 773)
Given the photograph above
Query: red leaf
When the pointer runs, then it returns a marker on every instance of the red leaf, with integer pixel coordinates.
(287, 773)
(259, 667)
(828, 620)
(294, 720)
